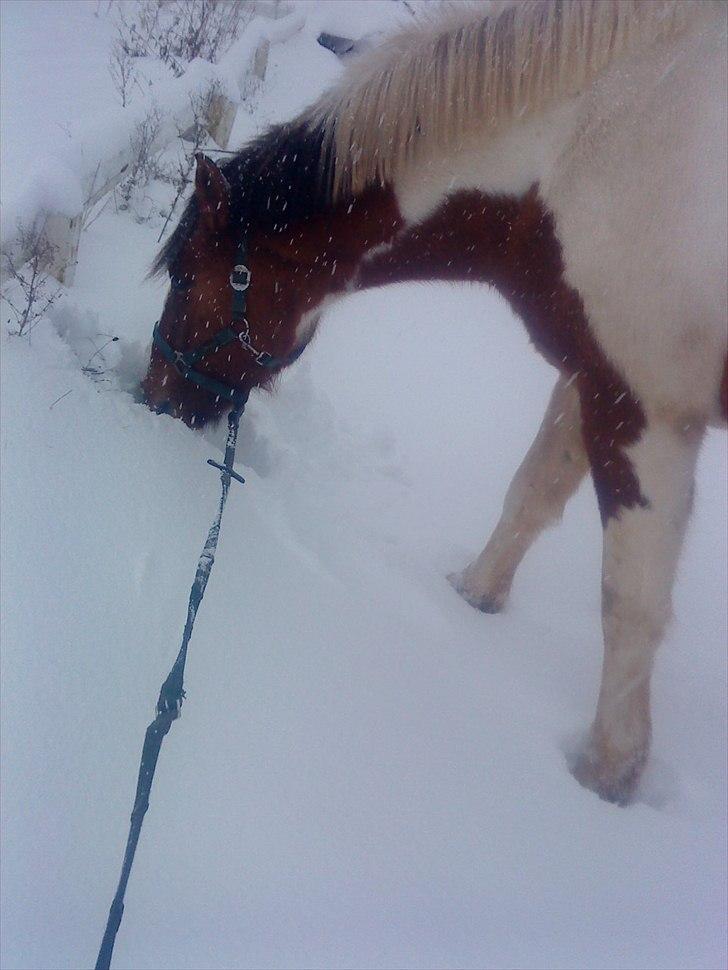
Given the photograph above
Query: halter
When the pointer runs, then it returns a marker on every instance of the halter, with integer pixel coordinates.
(184, 363)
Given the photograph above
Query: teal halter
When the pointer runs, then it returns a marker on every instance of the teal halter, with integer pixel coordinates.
(184, 363)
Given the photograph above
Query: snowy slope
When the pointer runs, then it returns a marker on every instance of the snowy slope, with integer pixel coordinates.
(367, 773)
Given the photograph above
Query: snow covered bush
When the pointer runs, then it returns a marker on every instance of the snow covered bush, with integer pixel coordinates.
(166, 35)
(171, 164)
(28, 292)
(122, 70)
(145, 164)
(178, 31)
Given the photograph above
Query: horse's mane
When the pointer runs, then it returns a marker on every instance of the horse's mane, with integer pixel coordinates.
(472, 68)
(438, 82)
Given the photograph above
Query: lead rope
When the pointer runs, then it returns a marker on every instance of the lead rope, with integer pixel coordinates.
(171, 696)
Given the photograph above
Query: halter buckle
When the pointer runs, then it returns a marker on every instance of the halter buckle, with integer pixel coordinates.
(240, 278)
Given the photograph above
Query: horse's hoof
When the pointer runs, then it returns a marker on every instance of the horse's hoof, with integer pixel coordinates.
(481, 601)
(616, 783)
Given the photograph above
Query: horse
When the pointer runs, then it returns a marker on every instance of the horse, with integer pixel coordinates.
(572, 155)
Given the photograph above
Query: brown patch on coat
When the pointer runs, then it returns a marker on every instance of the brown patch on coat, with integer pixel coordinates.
(511, 243)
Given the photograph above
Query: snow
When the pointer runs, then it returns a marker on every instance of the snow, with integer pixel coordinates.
(81, 155)
(42, 107)
(367, 772)
(352, 18)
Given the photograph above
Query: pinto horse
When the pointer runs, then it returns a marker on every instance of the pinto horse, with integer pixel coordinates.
(573, 156)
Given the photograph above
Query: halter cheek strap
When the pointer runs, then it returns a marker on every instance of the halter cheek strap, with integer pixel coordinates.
(184, 363)
(183, 366)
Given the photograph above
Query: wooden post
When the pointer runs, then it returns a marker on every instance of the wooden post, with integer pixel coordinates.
(260, 60)
(63, 234)
(220, 119)
(221, 112)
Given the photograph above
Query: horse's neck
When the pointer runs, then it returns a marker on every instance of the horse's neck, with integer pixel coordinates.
(471, 192)
(508, 242)
(327, 250)
(502, 238)
(474, 213)
(346, 233)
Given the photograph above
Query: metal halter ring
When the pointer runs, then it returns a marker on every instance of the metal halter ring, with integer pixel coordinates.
(236, 282)
(244, 334)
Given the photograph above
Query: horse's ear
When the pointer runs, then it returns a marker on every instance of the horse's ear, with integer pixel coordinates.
(212, 193)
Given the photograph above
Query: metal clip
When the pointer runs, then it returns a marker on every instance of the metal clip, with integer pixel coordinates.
(244, 334)
(180, 364)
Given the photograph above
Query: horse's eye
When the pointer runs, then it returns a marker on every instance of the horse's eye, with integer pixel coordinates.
(179, 281)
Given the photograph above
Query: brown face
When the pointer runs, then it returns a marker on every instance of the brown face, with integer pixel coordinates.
(293, 268)
(199, 305)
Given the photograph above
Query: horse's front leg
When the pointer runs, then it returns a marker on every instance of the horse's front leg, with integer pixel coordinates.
(642, 542)
(549, 474)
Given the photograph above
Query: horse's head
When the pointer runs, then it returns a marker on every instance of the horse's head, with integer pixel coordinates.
(261, 245)
(224, 329)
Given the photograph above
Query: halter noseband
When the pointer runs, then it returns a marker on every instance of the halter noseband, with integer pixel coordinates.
(184, 363)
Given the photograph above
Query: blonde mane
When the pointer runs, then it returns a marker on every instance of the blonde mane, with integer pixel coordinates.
(469, 70)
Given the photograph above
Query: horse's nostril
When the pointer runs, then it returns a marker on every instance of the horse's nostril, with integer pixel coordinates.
(164, 408)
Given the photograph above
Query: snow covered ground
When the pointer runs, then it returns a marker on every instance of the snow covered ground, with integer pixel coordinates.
(367, 773)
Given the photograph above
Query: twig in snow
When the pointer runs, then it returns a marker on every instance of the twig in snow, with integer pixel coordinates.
(60, 398)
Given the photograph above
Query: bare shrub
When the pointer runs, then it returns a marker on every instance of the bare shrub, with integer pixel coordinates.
(178, 31)
(192, 140)
(122, 70)
(149, 162)
(29, 281)
(145, 153)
